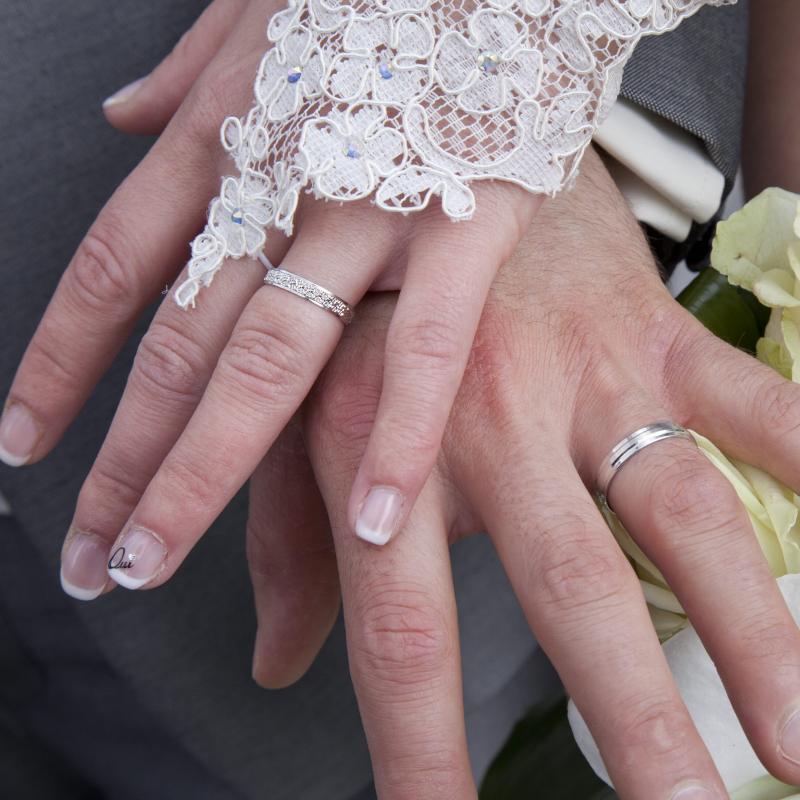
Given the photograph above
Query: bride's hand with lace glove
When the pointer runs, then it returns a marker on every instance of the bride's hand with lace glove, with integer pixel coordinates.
(213, 386)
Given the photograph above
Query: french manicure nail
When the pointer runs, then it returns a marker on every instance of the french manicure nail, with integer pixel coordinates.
(136, 558)
(124, 94)
(695, 793)
(789, 739)
(379, 515)
(83, 565)
(18, 435)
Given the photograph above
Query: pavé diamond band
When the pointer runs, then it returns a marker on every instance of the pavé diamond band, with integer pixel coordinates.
(310, 291)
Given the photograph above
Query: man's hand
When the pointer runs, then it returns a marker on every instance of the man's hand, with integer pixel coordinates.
(579, 345)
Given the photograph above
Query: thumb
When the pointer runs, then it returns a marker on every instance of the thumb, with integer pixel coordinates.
(147, 105)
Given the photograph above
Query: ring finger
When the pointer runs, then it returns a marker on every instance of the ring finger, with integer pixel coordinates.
(586, 608)
(688, 520)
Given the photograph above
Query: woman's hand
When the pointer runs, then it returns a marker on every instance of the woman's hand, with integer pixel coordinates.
(579, 345)
(211, 389)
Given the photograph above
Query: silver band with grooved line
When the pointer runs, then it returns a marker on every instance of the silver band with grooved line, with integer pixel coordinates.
(310, 291)
(630, 446)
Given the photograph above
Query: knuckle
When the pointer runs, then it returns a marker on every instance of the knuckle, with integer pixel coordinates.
(574, 572)
(431, 343)
(490, 378)
(169, 363)
(208, 101)
(494, 391)
(403, 639)
(437, 772)
(45, 356)
(774, 642)
(183, 54)
(776, 408)
(111, 484)
(189, 482)
(346, 415)
(264, 362)
(654, 728)
(689, 498)
(97, 276)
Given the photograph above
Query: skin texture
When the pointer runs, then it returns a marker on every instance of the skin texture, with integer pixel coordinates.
(578, 345)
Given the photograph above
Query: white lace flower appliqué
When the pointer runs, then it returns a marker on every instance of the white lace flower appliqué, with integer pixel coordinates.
(348, 151)
(382, 60)
(483, 71)
(240, 214)
(407, 101)
(289, 74)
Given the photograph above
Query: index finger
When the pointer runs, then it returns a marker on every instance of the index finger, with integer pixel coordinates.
(134, 248)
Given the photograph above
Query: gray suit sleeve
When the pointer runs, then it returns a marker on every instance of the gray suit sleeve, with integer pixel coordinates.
(695, 77)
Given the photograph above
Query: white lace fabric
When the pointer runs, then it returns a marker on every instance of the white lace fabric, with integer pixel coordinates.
(404, 100)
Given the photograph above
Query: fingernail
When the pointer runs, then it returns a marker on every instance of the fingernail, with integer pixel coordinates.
(18, 435)
(379, 515)
(124, 94)
(789, 739)
(695, 793)
(136, 558)
(83, 565)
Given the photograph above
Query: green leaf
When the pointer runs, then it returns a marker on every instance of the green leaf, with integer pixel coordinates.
(732, 314)
(541, 759)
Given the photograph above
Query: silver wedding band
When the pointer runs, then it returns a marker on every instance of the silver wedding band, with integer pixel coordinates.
(308, 290)
(630, 446)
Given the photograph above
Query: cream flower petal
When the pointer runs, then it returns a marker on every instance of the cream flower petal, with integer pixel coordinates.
(776, 287)
(780, 504)
(755, 240)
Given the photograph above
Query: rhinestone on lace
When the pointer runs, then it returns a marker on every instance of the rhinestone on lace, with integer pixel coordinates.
(488, 62)
(507, 90)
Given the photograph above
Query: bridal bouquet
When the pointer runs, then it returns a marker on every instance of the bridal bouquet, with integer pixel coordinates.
(756, 250)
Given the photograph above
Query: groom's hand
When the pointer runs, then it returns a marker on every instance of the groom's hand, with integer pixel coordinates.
(579, 345)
